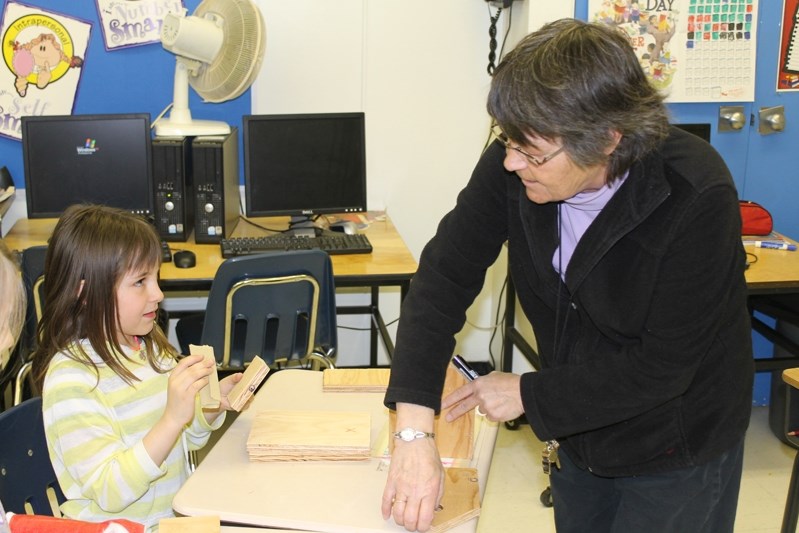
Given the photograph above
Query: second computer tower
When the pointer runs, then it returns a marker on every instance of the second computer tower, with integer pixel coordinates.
(174, 202)
(215, 169)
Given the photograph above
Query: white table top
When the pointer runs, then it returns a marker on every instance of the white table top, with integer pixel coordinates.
(332, 497)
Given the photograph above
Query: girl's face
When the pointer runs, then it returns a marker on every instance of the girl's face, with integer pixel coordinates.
(138, 296)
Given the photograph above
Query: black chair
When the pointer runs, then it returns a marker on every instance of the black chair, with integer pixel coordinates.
(28, 484)
(280, 306)
(32, 267)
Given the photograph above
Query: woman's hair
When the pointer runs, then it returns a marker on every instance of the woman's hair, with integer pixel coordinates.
(92, 248)
(12, 303)
(579, 82)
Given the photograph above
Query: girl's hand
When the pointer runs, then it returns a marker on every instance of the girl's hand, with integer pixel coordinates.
(185, 381)
(225, 386)
(187, 378)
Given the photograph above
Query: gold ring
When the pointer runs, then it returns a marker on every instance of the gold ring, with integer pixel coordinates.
(394, 500)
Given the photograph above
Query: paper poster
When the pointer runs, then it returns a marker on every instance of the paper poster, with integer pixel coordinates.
(127, 23)
(692, 50)
(788, 66)
(43, 55)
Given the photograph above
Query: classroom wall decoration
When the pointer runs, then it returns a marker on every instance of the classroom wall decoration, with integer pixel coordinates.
(692, 50)
(788, 66)
(43, 54)
(127, 23)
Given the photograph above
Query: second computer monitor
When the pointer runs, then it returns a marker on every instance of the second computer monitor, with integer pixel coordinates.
(304, 164)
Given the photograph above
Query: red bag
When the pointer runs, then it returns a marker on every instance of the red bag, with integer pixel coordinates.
(755, 219)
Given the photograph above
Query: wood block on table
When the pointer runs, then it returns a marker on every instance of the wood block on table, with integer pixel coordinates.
(309, 436)
(190, 524)
(355, 379)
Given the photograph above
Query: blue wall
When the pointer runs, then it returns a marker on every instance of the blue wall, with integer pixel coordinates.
(129, 80)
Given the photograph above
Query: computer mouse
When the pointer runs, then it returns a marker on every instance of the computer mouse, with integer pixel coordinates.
(184, 259)
(345, 226)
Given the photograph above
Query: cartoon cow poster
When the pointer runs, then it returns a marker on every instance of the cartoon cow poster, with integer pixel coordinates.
(43, 54)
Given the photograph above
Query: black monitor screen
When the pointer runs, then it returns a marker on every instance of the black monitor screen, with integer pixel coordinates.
(98, 159)
(306, 164)
(700, 130)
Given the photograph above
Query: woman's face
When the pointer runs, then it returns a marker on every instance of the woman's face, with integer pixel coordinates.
(558, 178)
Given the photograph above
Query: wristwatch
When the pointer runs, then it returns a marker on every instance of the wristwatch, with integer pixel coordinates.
(410, 434)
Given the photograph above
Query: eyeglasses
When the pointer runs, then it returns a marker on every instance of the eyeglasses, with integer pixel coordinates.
(534, 160)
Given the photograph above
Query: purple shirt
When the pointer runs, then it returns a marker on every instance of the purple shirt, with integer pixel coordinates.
(576, 214)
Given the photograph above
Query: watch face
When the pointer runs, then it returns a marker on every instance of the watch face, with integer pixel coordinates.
(407, 434)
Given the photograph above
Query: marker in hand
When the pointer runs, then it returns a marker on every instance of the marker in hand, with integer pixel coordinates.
(464, 368)
(468, 372)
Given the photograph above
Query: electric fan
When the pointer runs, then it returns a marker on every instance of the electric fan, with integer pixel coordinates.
(219, 50)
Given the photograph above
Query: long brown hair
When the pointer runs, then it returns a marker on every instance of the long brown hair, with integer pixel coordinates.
(91, 250)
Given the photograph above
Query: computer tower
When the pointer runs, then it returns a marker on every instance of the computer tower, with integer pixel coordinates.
(215, 168)
(173, 204)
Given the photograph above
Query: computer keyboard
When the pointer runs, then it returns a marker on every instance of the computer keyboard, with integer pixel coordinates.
(332, 244)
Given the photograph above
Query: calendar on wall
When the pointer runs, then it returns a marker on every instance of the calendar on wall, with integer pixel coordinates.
(692, 50)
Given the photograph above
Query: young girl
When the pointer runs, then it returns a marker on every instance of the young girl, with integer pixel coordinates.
(120, 409)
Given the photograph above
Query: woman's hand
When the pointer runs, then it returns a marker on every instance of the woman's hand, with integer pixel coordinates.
(497, 395)
(415, 481)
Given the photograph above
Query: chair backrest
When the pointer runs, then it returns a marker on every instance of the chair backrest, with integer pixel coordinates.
(27, 480)
(280, 306)
(32, 266)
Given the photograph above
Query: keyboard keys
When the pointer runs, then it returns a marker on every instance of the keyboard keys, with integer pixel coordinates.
(336, 244)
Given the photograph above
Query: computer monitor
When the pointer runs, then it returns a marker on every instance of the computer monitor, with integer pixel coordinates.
(98, 159)
(304, 165)
(701, 130)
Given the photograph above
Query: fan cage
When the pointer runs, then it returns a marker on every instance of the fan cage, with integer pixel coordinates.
(238, 63)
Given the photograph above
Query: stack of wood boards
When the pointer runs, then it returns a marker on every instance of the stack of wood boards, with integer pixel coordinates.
(355, 379)
(309, 436)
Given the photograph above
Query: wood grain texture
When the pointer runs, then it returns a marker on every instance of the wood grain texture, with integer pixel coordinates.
(454, 439)
(309, 436)
(461, 500)
(243, 390)
(210, 396)
(190, 524)
(355, 379)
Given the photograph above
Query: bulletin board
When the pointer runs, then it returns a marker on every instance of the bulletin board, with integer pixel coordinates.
(692, 50)
(134, 79)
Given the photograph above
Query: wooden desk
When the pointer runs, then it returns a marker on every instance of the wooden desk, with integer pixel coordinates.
(389, 264)
(776, 272)
(326, 496)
